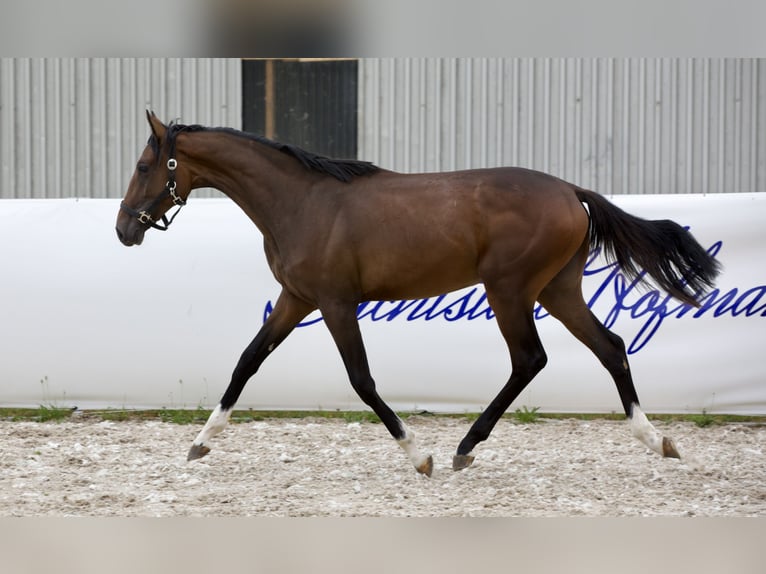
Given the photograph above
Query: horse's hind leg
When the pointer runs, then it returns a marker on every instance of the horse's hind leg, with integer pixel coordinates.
(288, 312)
(516, 322)
(563, 299)
(343, 326)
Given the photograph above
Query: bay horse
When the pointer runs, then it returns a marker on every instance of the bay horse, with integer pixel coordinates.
(341, 232)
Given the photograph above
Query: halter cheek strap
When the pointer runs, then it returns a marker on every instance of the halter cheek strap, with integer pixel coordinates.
(145, 217)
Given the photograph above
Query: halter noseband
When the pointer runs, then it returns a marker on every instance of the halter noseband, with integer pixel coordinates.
(144, 216)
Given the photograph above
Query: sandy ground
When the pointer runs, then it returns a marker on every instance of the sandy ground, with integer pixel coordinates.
(320, 467)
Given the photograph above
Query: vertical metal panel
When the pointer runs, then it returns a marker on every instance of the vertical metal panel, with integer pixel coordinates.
(616, 125)
(75, 127)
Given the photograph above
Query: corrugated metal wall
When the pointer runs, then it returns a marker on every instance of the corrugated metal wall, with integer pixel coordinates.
(614, 125)
(75, 127)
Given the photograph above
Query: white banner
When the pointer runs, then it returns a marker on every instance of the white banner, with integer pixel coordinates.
(87, 322)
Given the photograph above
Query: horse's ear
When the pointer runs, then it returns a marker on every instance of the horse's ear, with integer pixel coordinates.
(158, 128)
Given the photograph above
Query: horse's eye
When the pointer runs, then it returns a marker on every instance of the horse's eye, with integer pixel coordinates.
(142, 168)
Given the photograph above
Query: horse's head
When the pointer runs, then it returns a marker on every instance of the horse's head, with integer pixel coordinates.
(158, 183)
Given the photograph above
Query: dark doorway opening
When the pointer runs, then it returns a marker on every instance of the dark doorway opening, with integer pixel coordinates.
(311, 104)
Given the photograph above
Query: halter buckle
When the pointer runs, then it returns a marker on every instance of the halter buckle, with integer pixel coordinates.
(172, 164)
(144, 217)
(177, 199)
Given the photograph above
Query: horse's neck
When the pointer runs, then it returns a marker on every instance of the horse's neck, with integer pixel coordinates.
(261, 180)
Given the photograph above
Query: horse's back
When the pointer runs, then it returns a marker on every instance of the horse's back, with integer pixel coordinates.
(489, 203)
(437, 232)
(511, 186)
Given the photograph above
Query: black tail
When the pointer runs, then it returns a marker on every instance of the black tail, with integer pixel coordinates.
(663, 249)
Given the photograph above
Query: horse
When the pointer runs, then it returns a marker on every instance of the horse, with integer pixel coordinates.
(339, 232)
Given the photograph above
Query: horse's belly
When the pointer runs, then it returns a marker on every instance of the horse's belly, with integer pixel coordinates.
(417, 279)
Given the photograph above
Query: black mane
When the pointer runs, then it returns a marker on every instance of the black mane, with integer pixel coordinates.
(341, 169)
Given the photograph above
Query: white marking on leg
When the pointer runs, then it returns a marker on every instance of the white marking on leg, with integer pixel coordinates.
(215, 424)
(410, 447)
(644, 431)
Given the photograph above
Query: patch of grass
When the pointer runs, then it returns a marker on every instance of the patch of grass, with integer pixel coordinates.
(471, 417)
(117, 415)
(361, 417)
(703, 420)
(52, 413)
(525, 415)
(17, 414)
(184, 417)
(200, 415)
(48, 411)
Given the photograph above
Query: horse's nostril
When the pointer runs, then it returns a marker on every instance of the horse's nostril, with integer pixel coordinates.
(123, 238)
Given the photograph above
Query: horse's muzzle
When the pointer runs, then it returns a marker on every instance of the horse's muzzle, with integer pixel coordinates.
(130, 237)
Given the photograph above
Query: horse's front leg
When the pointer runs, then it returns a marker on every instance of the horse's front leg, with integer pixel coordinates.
(288, 312)
(342, 323)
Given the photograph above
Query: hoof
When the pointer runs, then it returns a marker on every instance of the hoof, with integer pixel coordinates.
(197, 451)
(427, 467)
(461, 461)
(669, 449)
